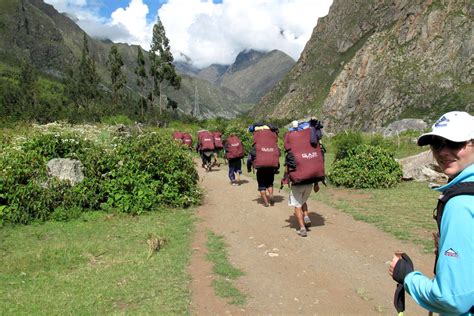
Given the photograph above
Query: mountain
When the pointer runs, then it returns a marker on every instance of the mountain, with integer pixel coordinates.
(31, 30)
(251, 76)
(369, 63)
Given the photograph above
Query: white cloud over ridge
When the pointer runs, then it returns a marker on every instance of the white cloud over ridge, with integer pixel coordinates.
(205, 32)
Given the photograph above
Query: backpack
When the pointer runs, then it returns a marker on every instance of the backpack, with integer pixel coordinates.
(462, 188)
(206, 141)
(234, 148)
(177, 135)
(304, 157)
(187, 139)
(217, 140)
(267, 154)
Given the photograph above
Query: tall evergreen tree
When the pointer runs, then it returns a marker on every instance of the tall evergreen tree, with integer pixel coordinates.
(88, 78)
(162, 69)
(140, 71)
(115, 64)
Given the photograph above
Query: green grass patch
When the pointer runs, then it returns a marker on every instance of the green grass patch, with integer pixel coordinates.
(224, 270)
(99, 264)
(404, 211)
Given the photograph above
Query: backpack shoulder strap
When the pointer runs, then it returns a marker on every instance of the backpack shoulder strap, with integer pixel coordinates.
(463, 188)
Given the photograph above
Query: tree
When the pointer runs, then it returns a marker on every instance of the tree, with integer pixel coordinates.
(162, 69)
(28, 89)
(115, 64)
(141, 78)
(88, 78)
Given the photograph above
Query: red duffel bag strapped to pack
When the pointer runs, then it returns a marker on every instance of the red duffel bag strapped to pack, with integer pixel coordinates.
(187, 140)
(234, 148)
(206, 141)
(217, 140)
(266, 149)
(308, 165)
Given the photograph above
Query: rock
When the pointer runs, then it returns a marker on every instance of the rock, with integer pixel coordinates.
(397, 127)
(422, 167)
(66, 169)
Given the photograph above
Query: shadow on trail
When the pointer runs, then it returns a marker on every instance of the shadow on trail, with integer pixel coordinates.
(276, 199)
(316, 220)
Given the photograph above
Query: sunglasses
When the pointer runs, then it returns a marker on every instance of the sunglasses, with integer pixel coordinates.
(438, 143)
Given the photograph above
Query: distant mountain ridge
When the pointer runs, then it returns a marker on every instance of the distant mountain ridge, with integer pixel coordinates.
(31, 30)
(251, 76)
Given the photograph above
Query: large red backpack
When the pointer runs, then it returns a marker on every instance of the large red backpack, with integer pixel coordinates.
(217, 140)
(177, 135)
(266, 149)
(234, 148)
(206, 141)
(187, 140)
(309, 159)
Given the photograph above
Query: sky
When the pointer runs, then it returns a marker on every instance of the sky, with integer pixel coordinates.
(202, 32)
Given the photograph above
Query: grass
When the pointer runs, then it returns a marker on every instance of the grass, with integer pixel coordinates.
(100, 264)
(225, 272)
(404, 211)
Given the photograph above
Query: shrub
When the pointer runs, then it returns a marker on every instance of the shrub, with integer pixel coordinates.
(344, 142)
(366, 167)
(134, 175)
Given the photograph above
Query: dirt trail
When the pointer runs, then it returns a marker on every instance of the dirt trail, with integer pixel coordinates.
(339, 269)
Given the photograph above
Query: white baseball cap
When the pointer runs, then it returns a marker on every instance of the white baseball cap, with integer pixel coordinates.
(455, 126)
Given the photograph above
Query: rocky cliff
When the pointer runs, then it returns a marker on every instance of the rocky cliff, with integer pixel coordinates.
(370, 62)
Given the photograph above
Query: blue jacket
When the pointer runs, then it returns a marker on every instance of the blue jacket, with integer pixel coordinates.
(451, 292)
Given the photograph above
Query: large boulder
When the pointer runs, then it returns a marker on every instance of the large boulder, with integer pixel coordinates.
(422, 167)
(66, 170)
(397, 127)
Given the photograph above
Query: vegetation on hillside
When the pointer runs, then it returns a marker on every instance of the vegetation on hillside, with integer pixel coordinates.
(122, 173)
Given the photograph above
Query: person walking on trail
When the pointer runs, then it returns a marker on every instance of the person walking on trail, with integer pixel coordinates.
(264, 156)
(218, 146)
(304, 168)
(234, 152)
(205, 147)
(451, 291)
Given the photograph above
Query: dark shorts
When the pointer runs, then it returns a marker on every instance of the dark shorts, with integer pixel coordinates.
(265, 178)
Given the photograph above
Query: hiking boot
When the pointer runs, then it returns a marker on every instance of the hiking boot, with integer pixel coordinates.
(302, 232)
(307, 222)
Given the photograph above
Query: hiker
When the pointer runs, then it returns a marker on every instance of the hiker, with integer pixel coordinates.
(264, 156)
(187, 140)
(178, 136)
(205, 147)
(451, 291)
(218, 146)
(234, 152)
(304, 168)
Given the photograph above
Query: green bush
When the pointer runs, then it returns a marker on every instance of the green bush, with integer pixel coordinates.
(345, 142)
(117, 119)
(366, 166)
(132, 175)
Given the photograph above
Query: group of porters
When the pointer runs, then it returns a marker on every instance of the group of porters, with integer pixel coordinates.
(304, 154)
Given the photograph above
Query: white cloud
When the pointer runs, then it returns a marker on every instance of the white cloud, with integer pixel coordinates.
(207, 32)
(216, 33)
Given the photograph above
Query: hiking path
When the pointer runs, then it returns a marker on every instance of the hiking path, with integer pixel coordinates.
(339, 269)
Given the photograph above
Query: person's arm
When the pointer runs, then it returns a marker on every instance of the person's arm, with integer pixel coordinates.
(452, 289)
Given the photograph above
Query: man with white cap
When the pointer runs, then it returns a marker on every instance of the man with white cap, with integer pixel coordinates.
(451, 291)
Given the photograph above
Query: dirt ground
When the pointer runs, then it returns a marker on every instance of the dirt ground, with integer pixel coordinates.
(339, 269)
